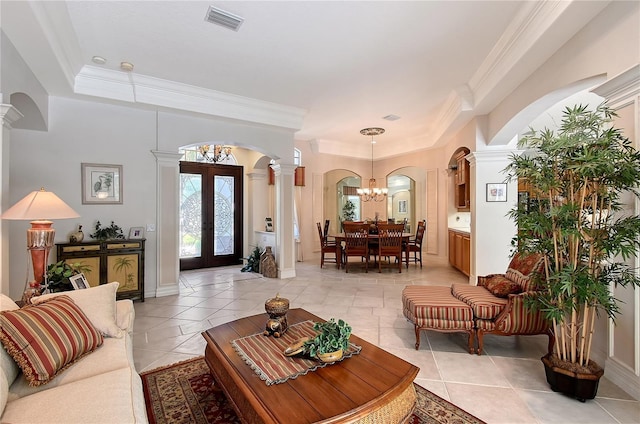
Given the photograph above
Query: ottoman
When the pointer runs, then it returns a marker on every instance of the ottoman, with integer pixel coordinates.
(435, 308)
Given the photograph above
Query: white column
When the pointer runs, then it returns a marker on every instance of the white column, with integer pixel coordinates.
(284, 220)
(259, 205)
(167, 222)
(491, 229)
(9, 115)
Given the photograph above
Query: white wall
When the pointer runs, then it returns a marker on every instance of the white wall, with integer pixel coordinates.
(85, 131)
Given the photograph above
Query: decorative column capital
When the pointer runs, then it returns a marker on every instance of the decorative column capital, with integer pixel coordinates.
(9, 114)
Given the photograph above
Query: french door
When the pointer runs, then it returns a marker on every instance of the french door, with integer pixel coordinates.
(210, 215)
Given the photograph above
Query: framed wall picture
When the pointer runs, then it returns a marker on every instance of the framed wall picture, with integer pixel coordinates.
(402, 206)
(79, 281)
(268, 224)
(496, 192)
(101, 184)
(136, 233)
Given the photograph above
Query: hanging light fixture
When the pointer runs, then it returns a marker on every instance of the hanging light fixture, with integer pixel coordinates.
(372, 193)
(220, 152)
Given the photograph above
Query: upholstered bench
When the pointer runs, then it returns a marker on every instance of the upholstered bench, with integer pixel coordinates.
(435, 308)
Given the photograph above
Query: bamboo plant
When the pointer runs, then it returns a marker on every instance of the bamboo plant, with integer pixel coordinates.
(580, 174)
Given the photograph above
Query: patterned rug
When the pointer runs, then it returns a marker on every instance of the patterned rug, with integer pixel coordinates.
(185, 393)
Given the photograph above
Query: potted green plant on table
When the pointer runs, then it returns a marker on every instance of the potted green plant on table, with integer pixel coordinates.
(58, 275)
(581, 174)
(112, 232)
(348, 211)
(331, 342)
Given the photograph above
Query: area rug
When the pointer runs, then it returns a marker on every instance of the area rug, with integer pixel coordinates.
(185, 393)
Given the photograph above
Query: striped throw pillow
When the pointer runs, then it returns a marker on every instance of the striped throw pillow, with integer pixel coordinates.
(45, 339)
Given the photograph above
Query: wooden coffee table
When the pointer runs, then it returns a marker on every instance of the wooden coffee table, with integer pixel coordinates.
(373, 385)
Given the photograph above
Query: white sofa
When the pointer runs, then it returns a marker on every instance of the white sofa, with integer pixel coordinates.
(100, 387)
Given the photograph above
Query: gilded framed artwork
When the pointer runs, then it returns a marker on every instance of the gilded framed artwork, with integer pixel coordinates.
(101, 184)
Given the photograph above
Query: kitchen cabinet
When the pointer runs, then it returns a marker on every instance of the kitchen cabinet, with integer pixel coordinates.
(107, 261)
(460, 250)
(462, 182)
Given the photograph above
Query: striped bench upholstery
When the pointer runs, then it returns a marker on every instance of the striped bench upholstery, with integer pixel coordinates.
(482, 302)
(435, 308)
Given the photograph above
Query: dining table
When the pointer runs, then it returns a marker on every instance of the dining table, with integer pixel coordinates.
(373, 240)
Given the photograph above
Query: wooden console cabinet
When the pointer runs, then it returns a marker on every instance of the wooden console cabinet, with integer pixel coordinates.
(111, 260)
(460, 251)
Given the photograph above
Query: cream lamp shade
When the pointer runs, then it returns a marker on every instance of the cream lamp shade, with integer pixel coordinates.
(40, 207)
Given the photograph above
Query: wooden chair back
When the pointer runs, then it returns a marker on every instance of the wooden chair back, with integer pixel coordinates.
(390, 243)
(356, 237)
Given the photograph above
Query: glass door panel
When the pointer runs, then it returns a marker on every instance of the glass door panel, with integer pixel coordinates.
(190, 215)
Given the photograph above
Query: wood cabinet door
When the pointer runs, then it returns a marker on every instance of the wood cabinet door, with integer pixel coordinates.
(466, 255)
(90, 266)
(124, 269)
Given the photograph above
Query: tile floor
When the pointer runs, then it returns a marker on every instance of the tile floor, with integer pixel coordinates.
(505, 385)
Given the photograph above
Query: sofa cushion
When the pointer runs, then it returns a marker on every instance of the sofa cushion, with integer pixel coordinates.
(501, 286)
(113, 397)
(98, 303)
(523, 269)
(482, 302)
(113, 354)
(8, 368)
(46, 338)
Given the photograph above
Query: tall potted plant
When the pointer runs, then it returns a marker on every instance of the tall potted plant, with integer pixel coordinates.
(579, 174)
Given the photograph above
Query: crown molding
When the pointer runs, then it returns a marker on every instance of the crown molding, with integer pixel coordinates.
(56, 26)
(624, 85)
(143, 89)
(533, 20)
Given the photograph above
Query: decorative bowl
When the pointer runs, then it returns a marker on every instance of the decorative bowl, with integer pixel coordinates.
(277, 306)
(330, 356)
(296, 347)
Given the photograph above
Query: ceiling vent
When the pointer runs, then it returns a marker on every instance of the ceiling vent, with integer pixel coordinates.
(223, 18)
(391, 117)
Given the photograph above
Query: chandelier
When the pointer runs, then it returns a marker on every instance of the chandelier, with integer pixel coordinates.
(220, 152)
(372, 193)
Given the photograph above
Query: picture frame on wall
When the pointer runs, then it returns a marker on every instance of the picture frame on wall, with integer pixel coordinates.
(136, 233)
(79, 281)
(402, 206)
(496, 192)
(101, 184)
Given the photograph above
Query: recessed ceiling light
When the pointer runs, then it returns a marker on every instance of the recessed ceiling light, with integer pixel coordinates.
(99, 60)
(126, 66)
(391, 117)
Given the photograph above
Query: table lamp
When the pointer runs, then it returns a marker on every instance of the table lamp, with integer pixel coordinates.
(40, 207)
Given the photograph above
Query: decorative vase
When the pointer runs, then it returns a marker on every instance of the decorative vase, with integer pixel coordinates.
(77, 236)
(330, 356)
(268, 267)
(582, 386)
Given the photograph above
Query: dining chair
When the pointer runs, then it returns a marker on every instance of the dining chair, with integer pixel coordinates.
(356, 237)
(390, 244)
(326, 247)
(415, 244)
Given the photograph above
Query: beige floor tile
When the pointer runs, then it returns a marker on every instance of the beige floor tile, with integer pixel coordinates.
(625, 411)
(466, 368)
(496, 405)
(556, 408)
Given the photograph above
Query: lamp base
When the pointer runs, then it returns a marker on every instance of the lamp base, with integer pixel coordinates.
(40, 239)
